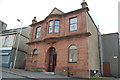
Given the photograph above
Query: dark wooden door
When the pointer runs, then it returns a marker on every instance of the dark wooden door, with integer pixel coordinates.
(52, 60)
(106, 69)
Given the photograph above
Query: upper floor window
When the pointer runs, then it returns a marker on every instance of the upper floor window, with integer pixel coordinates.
(72, 53)
(51, 27)
(35, 51)
(57, 26)
(38, 31)
(6, 41)
(73, 24)
(54, 26)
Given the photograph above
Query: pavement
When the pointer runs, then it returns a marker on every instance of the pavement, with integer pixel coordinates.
(36, 75)
(8, 75)
(31, 74)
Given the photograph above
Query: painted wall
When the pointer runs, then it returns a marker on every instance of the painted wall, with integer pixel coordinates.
(93, 47)
(7, 43)
(0, 67)
(23, 39)
(119, 58)
(22, 47)
(4, 46)
(110, 51)
(12, 41)
(2, 26)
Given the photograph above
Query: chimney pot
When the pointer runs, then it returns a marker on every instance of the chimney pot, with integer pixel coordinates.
(84, 4)
(34, 20)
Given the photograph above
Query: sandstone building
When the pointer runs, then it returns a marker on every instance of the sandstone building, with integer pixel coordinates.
(65, 43)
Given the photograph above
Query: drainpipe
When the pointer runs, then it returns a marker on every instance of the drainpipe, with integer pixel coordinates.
(101, 55)
(68, 70)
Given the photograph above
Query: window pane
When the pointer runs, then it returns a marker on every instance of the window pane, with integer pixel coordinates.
(50, 29)
(35, 51)
(51, 23)
(50, 26)
(6, 40)
(73, 54)
(56, 30)
(5, 59)
(73, 47)
(75, 57)
(57, 25)
(73, 24)
(71, 57)
(38, 31)
(57, 22)
(73, 27)
(73, 20)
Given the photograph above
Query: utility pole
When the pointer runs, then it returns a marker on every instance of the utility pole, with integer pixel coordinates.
(17, 45)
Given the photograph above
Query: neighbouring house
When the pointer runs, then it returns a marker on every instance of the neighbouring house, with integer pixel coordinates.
(2, 26)
(65, 43)
(110, 56)
(8, 44)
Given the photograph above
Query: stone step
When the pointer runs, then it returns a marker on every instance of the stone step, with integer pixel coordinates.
(52, 73)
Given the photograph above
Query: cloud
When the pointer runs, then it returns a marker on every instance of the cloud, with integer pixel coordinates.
(103, 12)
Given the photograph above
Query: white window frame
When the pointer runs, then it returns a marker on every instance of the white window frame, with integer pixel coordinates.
(73, 24)
(72, 56)
(38, 32)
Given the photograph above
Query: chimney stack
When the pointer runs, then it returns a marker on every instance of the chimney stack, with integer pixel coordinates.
(34, 20)
(84, 4)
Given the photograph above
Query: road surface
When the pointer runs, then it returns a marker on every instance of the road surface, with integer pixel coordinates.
(9, 76)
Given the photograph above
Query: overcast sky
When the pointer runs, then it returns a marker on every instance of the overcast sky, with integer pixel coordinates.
(103, 12)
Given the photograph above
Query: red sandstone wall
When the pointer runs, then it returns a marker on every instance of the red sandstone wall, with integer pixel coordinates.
(64, 26)
(76, 69)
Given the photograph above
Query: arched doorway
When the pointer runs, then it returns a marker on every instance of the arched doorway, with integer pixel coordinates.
(52, 59)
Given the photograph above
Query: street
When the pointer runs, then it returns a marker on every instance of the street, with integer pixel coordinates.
(9, 76)
(23, 75)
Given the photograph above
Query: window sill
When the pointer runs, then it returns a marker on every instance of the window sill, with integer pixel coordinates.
(35, 54)
(37, 38)
(73, 31)
(54, 33)
(72, 62)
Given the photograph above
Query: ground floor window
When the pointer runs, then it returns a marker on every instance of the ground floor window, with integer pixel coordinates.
(73, 53)
(5, 59)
